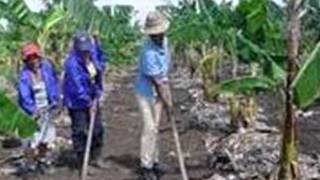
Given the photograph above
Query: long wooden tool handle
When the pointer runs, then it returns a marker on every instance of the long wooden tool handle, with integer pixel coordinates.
(88, 146)
(178, 146)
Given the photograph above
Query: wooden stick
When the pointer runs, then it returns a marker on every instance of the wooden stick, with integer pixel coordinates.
(88, 145)
(178, 146)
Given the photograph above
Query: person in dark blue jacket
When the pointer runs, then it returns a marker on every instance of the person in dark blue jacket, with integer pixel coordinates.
(38, 96)
(82, 89)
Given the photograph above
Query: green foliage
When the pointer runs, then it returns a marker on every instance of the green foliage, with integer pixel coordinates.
(311, 25)
(271, 68)
(8, 73)
(55, 16)
(118, 36)
(121, 39)
(263, 23)
(17, 14)
(208, 66)
(13, 121)
(209, 27)
(55, 27)
(243, 86)
(306, 86)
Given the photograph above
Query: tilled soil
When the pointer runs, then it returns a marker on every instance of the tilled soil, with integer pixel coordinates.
(200, 124)
(122, 140)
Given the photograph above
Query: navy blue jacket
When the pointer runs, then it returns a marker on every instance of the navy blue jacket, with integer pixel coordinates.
(78, 89)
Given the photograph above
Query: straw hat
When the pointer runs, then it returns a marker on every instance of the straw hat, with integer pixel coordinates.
(156, 23)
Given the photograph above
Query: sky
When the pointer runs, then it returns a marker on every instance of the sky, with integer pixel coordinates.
(142, 6)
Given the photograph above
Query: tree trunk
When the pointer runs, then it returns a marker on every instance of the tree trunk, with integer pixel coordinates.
(289, 154)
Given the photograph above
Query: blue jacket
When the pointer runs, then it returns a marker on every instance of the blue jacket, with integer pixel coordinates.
(78, 90)
(25, 90)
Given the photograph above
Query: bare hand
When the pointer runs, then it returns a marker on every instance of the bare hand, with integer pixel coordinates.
(94, 106)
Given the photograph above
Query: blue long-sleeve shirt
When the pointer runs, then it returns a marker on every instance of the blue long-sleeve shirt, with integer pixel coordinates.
(154, 64)
(78, 89)
(25, 87)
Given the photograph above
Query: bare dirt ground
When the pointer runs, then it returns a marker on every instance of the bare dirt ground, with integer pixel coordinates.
(197, 124)
(122, 141)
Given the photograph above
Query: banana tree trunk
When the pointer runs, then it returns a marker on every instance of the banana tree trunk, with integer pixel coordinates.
(289, 154)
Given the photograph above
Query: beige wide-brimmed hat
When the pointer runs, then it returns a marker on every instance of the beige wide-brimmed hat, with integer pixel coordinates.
(156, 23)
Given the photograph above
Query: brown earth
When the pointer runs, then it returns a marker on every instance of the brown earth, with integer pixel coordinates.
(123, 127)
(122, 141)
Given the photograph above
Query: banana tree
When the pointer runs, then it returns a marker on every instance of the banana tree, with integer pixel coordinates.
(219, 32)
(289, 168)
(25, 26)
(304, 90)
(208, 66)
(243, 110)
(202, 34)
(13, 122)
(55, 16)
(301, 91)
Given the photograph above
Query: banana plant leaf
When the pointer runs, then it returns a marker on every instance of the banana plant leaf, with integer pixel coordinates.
(306, 86)
(8, 73)
(276, 72)
(13, 122)
(55, 18)
(243, 85)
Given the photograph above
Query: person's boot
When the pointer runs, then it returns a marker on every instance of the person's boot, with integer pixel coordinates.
(148, 174)
(160, 169)
(77, 161)
(91, 171)
(98, 161)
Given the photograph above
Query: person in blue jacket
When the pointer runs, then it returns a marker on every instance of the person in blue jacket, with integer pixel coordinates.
(82, 89)
(38, 95)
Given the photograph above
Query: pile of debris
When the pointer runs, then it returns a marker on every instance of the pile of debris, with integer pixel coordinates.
(244, 155)
(253, 155)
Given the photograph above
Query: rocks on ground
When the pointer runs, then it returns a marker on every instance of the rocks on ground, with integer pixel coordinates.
(252, 154)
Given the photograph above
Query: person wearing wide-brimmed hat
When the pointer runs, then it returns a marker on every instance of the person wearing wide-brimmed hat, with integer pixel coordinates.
(153, 91)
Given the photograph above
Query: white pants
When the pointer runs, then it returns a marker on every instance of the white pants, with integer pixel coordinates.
(151, 115)
(46, 134)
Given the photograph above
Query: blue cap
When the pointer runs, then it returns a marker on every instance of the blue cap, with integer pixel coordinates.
(82, 41)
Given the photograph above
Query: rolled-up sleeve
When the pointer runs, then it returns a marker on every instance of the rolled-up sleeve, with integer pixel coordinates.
(151, 67)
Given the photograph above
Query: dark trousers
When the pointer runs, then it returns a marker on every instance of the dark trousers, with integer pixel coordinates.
(80, 122)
